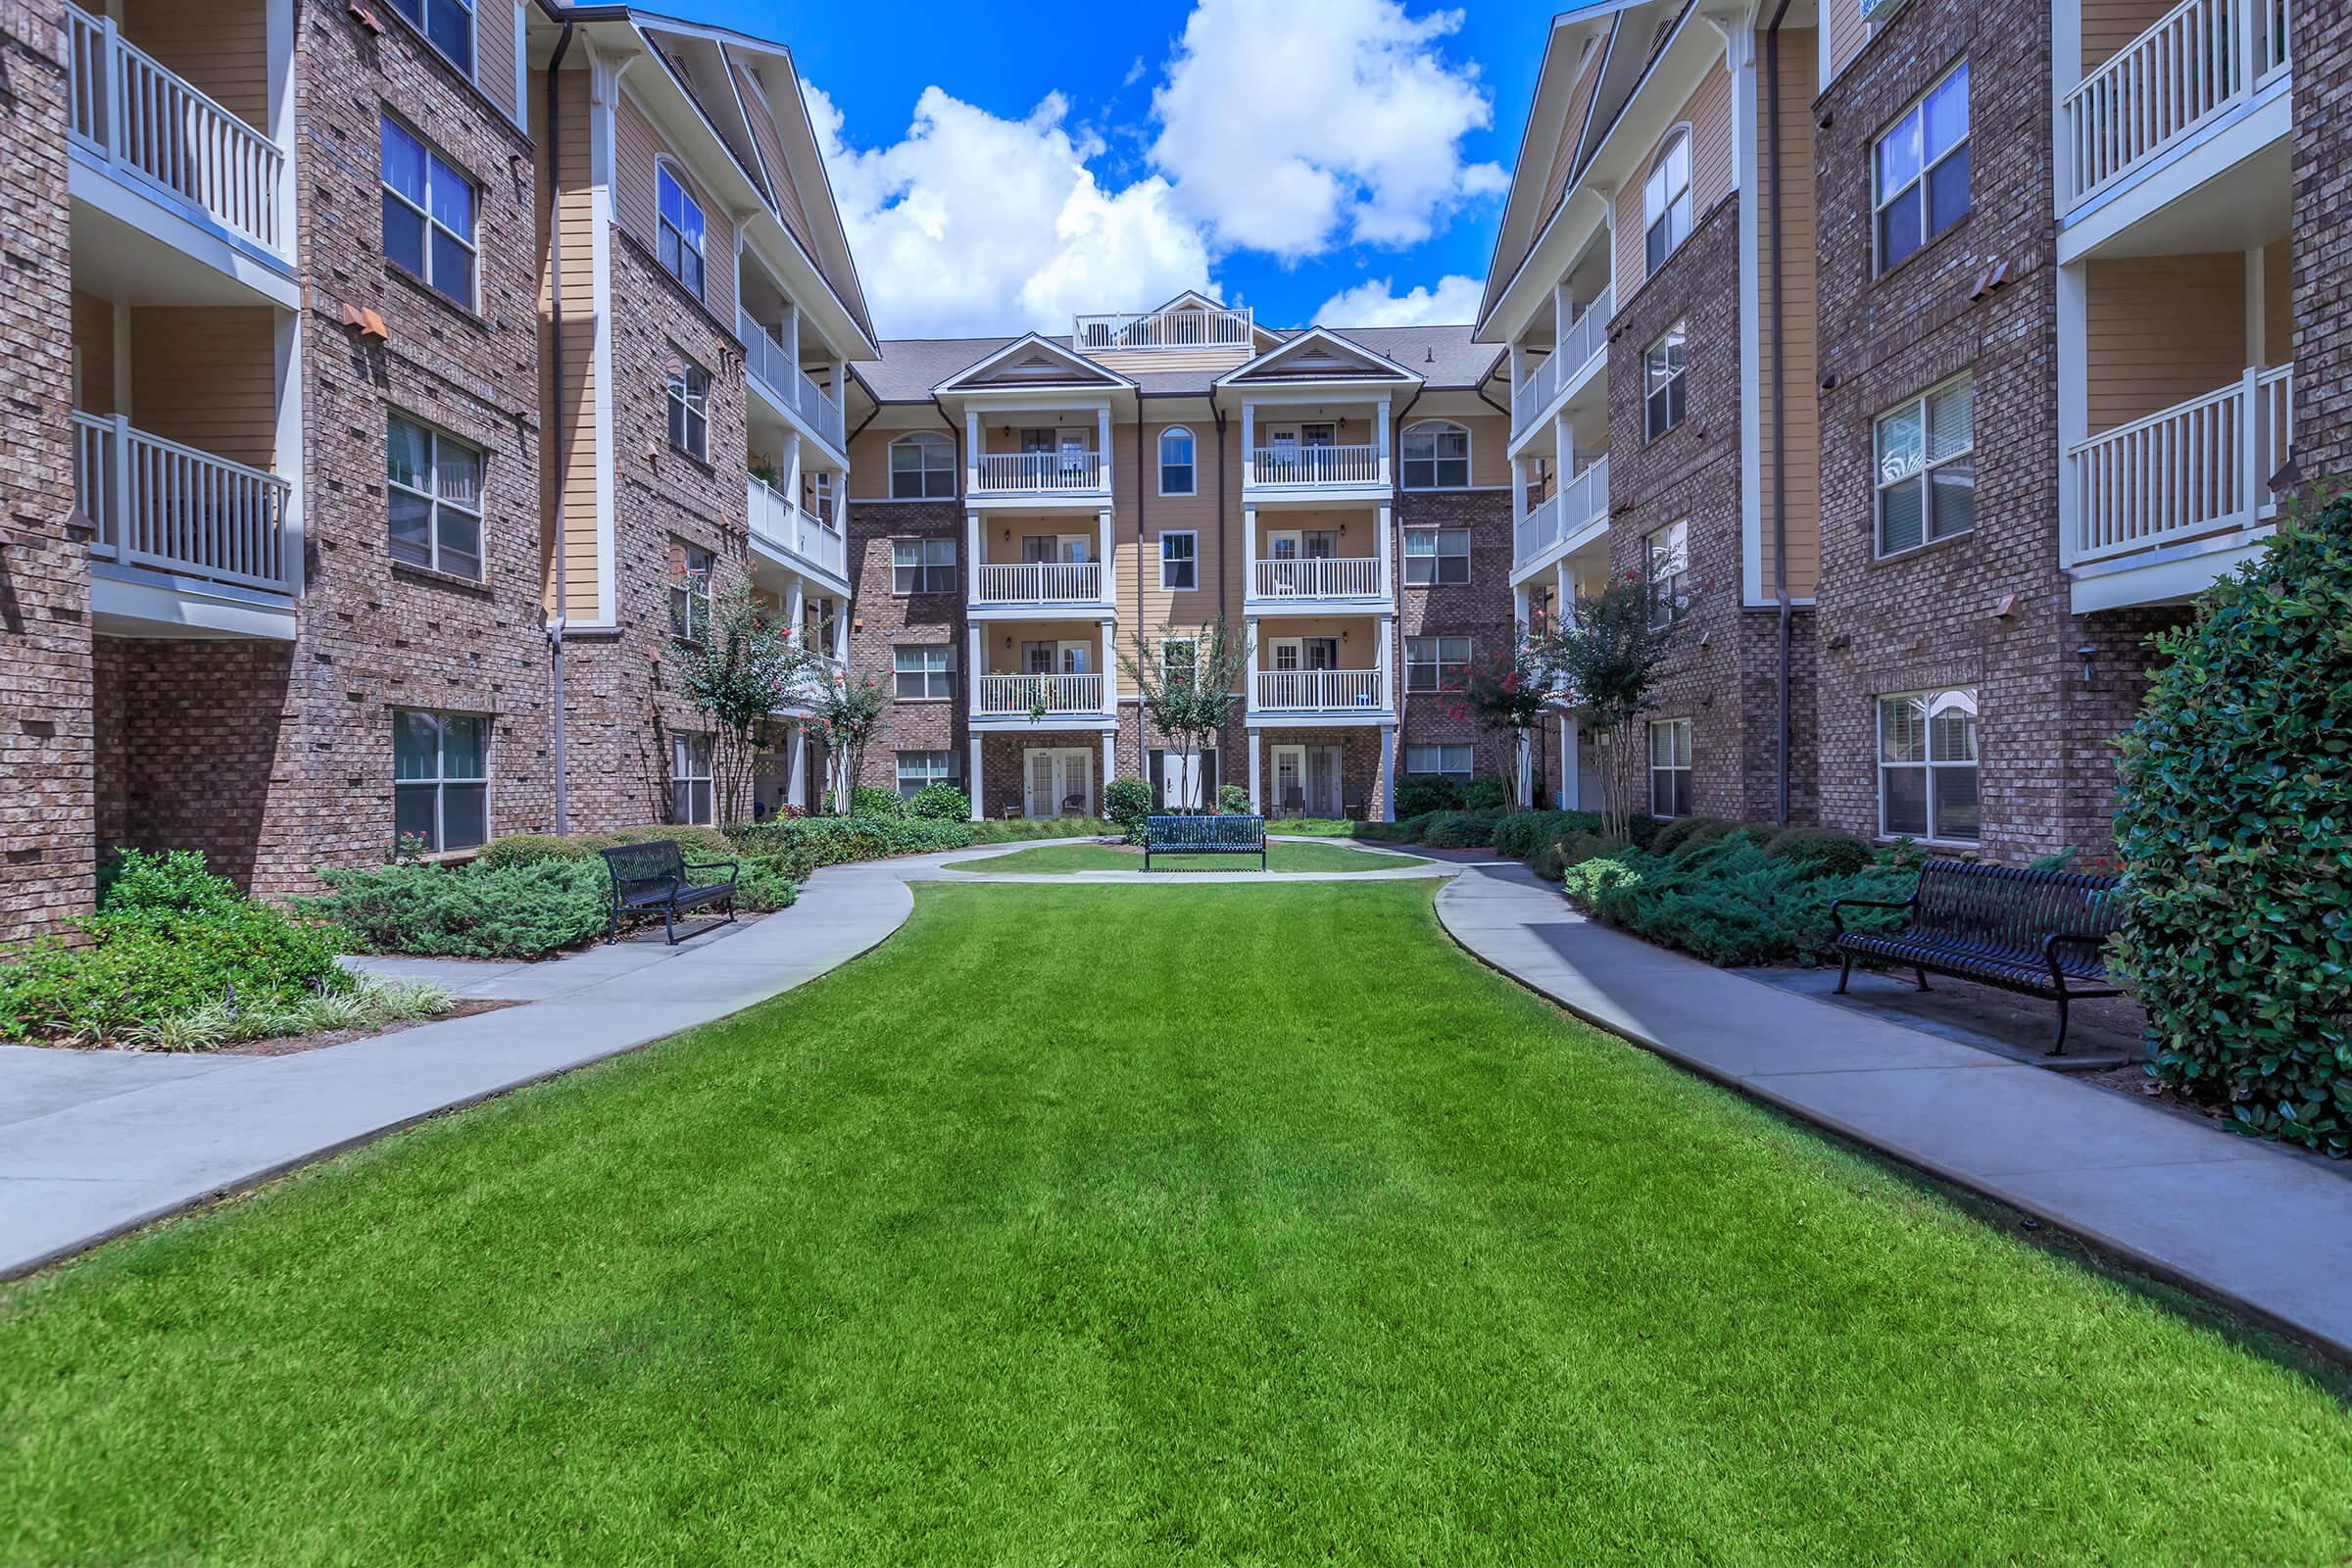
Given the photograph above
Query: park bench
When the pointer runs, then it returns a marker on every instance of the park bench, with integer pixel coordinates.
(2041, 933)
(1204, 835)
(655, 876)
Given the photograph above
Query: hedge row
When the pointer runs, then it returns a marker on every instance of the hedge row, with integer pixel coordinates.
(1734, 897)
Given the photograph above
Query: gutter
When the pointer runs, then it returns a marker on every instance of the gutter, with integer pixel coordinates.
(1780, 411)
(563, 467)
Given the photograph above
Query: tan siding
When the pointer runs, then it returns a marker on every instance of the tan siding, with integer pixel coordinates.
(638, 146)
(1149, 361)
(1800, 399)
(571, 434)
(223, 48)
(2161, 329)
(1359, 637)
(1708, 114)
(494, 45)
(1218, 547)
(771, 153)
(1631, 270)
(94, 343)
(1563, 153)
(1847, 33)
(2278, 302)
(207, 375)
(2109, 24)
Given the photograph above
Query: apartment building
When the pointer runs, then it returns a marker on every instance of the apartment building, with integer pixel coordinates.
(2009, 322)
(1031, 514)
(280, 582)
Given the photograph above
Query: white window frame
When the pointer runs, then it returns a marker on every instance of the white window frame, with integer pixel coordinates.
(435, 502)
(1433, 430)
(686, 408)
(1664, 377)
(1885, 480)
(667, 179)
(927, 442)
(1190, 463)
(1417, 757)
(691, 771)
(1439, 654)
(474, 30)
(441, 780)
(1167, 643)
(1190, 560)
(1670, 549)
(1679, 759)
(923, 565)
(933, 671)
(1436, 555)
(1913, 122)
(936, 767)
(1665, 202)
(434, 159)
(690, 594)
(1929, 765)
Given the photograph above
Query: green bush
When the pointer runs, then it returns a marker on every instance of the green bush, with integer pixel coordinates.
(1834, 852)
(766, 884)
(1522, 835)
(1461, 830)
(1486, 793)
(522, 848)
(941, 802)
(816, 841)
(1233, 800)
(1727, 900)
(1047, 827)
(1419, 794)
(1680, 830)
(868, 800)
(2236, 833)
(473, 911)
(526, 849)
(162, 886)
(1405, 830)
(1127, 801)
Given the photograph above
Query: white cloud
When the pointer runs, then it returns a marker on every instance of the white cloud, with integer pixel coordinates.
(974, 224)
(1453, 303)
(1288, 128)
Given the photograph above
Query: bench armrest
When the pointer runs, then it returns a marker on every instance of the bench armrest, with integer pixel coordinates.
(2052, 941)
(731, 867)
(1838, 907)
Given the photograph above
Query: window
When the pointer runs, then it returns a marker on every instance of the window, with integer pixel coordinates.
(1179, 660)
(1441, 762)
(434, 485)
(690, 568)
(1928, 765)
(1436, 556)
(922, 468)
(1179, 565)
(1670, 767)
(678, 232)
(688, 388)
(922, 565)
(690, 779)
(926, 672)
(447, 24)
(440, 779)
(1666, 200)
(1670, 573)
(1927, 482)
(1435, 664)
(1437, 457)
(1663, 383)
(1176, 471)
(919, 768)
(1919, 182)
(429, 215)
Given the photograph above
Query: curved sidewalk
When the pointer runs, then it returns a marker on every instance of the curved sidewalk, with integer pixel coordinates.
(2263, 1230)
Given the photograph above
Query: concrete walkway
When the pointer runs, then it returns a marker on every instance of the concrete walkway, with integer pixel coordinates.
(2266, 1231)
(959, 868)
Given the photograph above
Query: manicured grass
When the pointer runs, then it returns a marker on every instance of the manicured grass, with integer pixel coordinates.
(1057, 858)
(1110, 1225)
(1311, 827)
(1034, 827)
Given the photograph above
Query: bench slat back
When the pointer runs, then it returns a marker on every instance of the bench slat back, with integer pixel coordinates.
(1206, 832)
(2003, 912)
(636, 868)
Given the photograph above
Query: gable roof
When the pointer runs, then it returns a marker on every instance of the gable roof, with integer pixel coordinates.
(1032, 360)
(1317, 354)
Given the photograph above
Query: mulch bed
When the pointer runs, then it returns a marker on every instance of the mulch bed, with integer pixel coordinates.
(294, 1044)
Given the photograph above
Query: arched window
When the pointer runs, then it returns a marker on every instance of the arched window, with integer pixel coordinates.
(1436, 455)
(1666, 199)
(1178, 476)
(922, 468)
(679, 230)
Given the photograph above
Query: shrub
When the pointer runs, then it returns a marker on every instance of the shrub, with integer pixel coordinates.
(1486, 793)
(1406, 830)
(2235, 829)
(1459, 830)
(1233, 800)
(868, 800)
(134, 882)
(1050, 827)
(833, 840)
(1127, 801)
(1727, 900)
(476, 911)
(1522, 835)
(941, 802)
(522, 848)
(766, 884)
(1419, 794)
(1832, 853)
(1682, 829)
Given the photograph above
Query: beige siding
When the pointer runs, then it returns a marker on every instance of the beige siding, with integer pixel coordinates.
(2109, 24)
(1708, 114)
(1799, 400)
(571, 432)
(1847, 32)
(1219, 557)
(2161, 329)
(207, 375)
(94, 347)
(494, 45)
(2278, 302)
(638, 147)
(1151, 361)
(771, 153)
(222, 46)
(1359, 637)
(870, 458)
(1580, 105)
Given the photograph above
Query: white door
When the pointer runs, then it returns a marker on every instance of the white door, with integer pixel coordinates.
(1073, 451)
(1060, 780)
(1323, 781)
(1179, 782)
(1289, 781)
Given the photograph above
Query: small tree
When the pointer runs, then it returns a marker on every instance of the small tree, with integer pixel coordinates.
(846, 716)
(1607, 655)
(744, 665)
(1507, 693)
(1187, 685)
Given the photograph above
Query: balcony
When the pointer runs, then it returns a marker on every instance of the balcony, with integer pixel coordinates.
(2201, 62)
(1039, 582)
(173, 508)
(1587, 339)
(785, 530)
(826, 671)
(1003, 696)
(1319, 691)
(2179, 490)
(785, 383)
(1192, 328)
(1042, 474)
(1311, 577)
(1568, 511)
(154, 131)
(1300, 466)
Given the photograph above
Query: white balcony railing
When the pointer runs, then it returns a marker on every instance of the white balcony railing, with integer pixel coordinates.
(825, 670)
(157, 503)
(1052, 473)
(1319, 690)
(1567, 510)
(1345, 577)
(150, 121)
(2199, 59)
(1586, 337)
(784, 527)
(1030, 693)
(2197, 468)
(1039, 582)
(1351, 464)
(769, 359)
(1198, 328)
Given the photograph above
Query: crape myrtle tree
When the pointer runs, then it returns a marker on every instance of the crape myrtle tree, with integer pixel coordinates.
(1507, 693)
(745, 662)
(846, 716)
(1188, 684)
(1607, 657)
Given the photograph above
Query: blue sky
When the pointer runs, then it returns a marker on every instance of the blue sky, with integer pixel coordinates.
(997, 175)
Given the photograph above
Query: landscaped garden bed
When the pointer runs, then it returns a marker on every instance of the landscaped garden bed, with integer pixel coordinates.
(1062, 858)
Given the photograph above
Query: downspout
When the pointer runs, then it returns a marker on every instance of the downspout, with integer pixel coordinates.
(1396, 649)
(1780, 411)
(1248, 676)
(563, 465)
(1143, 766)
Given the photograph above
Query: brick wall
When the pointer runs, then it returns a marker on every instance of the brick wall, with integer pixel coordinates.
(1480, 610)
(47, 800)
(886, 621)
(2322, 43)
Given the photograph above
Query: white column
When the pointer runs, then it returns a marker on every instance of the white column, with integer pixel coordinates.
(798, 603)
(972, 779)
(792, 339)
(1571, 752)
(1103, 558)
(1110, 764)
(1248, 551)
(841, 503)
(1518, 496)
(972, 666)
(1248, 439)
(972, 555)
(1110, 672)
(1381, 439)
(2257, 335)
(841, 633)
(2074, 401)
(972, 450)
(1102, 442)
(1256, 809)
(841, 390)
(795, 785)
(1523, 783)
(1388, 772)
(1249, 668)
(791, 467)
(1384, 546)
(1518, 365)
(289, 464)
(1388, 686)
(1563, 310)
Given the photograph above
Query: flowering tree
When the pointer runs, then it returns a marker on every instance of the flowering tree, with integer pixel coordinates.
(1607, 656)
(743, 662)
(848, 715)
(1507, 693)
(1188, 684)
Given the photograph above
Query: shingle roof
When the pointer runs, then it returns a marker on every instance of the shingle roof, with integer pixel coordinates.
(1443, 356)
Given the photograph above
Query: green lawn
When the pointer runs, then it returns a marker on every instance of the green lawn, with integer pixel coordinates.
(1057, 858)
(1108, 1225)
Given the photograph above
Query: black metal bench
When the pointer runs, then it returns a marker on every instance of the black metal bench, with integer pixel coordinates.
(655, 876)
(2039, 932)
(1204, 835)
